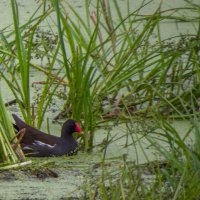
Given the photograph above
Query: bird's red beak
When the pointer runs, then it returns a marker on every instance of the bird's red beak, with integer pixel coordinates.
(78, 129)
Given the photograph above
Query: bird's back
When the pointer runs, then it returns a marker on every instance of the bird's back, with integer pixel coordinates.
(32, 134)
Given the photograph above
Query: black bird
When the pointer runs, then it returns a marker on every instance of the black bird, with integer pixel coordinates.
(39, 144)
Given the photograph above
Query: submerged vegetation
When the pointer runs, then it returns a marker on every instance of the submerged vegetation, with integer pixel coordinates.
(113, 67)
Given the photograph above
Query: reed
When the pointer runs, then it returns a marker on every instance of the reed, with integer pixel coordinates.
(105, 58)
(183, 159)
(17, 56)
(105, 61)
(8, 156)
(108, 60)
(174, 176)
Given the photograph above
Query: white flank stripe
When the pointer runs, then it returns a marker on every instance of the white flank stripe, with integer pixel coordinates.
(37, 142)
(27, 148)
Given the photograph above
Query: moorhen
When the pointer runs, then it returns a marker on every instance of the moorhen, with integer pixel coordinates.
(39, 144)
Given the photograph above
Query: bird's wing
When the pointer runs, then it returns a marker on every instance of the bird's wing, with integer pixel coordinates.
(39, 149)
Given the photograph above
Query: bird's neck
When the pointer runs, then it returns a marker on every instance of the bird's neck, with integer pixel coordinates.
(66, 134)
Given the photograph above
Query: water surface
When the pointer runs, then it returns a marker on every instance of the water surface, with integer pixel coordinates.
(75, 171)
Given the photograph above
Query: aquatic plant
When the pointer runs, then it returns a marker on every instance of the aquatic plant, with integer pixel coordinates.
(175, 175)
(115, 62)
(105, 61)
(10, 152)
(6, 133)
(17, 57)
(109, 61)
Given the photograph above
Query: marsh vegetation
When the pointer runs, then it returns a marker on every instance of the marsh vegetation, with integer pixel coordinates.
(107, 70)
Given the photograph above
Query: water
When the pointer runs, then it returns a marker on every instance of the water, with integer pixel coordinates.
(74, 171)
(26, 9)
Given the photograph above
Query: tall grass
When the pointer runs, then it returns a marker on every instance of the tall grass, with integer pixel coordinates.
(122, 61)
(182, 156)
(17, 56)
(174, 176)
(106, 58)
(8, 156)
(24, 59)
